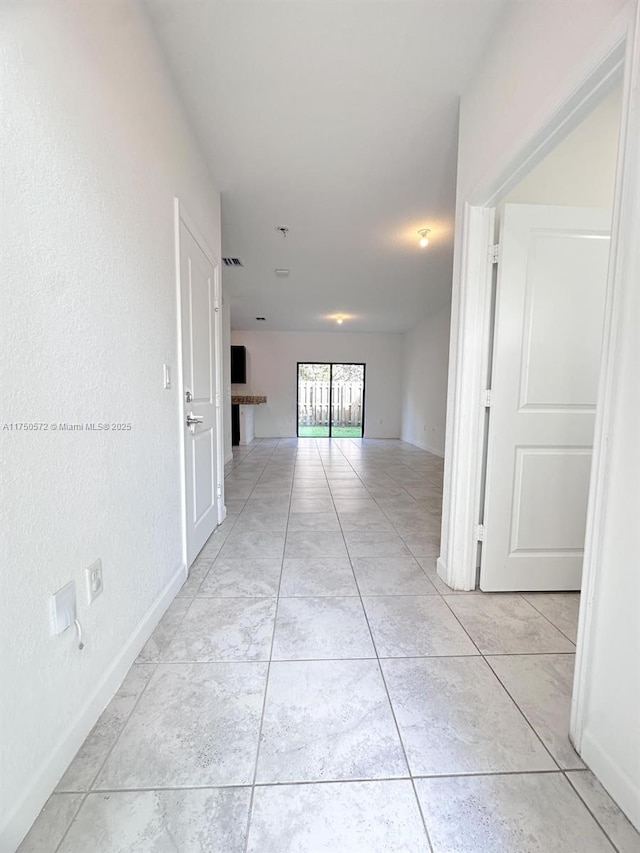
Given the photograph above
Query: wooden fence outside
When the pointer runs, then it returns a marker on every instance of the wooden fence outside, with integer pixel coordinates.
(313, 403)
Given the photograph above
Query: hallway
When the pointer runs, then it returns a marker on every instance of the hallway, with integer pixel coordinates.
(316, 687)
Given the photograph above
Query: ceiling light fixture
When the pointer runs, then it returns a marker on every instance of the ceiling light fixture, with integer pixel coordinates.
(339, 319)
(424, 237)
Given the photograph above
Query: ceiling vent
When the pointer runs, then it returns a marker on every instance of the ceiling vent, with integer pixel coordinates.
(232, 262)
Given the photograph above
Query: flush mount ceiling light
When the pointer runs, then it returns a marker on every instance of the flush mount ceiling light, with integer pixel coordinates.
(339, 319)
(424, 237)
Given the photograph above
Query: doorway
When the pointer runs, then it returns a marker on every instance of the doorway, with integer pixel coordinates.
(550, 295)
(330, 400)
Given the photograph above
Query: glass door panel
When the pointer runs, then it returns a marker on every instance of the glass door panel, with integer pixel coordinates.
(347, 400)
(314, 400)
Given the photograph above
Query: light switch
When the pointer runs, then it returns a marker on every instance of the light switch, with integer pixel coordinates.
(63, 608)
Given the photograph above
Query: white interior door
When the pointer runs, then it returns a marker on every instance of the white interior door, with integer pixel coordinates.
(199, 304)
(552, 277)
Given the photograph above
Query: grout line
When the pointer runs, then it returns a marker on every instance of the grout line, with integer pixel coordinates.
(354, 779)
(550, 621)
(389, 702)
(266, 684)
(501, 683)
(86, 793)
(589, 809)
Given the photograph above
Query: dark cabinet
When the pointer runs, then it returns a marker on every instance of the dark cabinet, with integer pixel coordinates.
(238, 365)
(235, 424)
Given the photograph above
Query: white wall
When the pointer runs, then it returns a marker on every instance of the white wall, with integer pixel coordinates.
(424, 382)
(581, 170)
(538, 47)
(94, 149)
(534, 60)
(272, 359)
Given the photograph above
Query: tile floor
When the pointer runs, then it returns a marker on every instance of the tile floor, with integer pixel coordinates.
(316, 687)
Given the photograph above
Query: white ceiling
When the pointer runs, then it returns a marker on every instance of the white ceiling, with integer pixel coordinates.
(338, 119)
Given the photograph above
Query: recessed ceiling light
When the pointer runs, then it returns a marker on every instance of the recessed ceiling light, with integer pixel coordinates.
(424, 237)
(282, 229)
(282, 273)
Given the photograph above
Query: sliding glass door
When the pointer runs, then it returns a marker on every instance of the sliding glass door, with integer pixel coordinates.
(330, 400)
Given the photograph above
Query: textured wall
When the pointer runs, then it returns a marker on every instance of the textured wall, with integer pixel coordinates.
(94, 149)
(424, 382)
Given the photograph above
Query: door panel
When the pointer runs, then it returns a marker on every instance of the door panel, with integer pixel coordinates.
(539, 524)
(550, 300)
(197, 302)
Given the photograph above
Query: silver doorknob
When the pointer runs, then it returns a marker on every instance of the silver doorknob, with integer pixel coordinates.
(192, 420)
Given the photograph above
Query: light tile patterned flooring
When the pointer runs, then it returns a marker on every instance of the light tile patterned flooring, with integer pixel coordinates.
(315, 687)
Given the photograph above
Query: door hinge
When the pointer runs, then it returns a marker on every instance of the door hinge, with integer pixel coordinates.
(493, 253)
(486, 398)
(219, 491)
(480, 532)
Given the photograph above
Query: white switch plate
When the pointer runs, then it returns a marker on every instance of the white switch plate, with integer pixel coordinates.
(166, 373)
(63, 608)
(94, 580)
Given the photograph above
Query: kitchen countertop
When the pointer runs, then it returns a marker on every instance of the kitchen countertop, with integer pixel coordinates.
(247, 400)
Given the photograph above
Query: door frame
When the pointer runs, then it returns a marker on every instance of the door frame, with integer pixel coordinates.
(181, 215)
(615, 56)
(330, 363)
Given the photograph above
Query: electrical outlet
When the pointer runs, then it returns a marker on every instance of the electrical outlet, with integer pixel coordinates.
(94, 580)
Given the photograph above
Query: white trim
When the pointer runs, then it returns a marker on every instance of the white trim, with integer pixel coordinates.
(52, 768)
(469, 351)
(623, 242)
(181, 214)
(599, 71)
(180, 374)
(612, 777)
(222, 510)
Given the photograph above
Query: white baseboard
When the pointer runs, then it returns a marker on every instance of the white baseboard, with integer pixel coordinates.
(44, 781)
(441, 568)
(616, 782)
(435, 450)
(228, 458)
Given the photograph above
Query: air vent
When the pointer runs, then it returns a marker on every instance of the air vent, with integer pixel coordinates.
(261, 318)
(232, 262)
